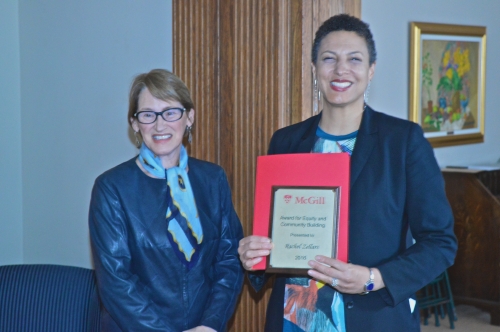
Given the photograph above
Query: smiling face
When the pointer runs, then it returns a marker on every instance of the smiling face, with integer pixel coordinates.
(342, 70)
(163, 138)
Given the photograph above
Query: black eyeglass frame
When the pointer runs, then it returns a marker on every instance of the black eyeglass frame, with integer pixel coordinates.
(182, 109)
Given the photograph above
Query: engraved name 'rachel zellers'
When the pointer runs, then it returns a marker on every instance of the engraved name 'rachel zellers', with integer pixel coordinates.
(301, 246)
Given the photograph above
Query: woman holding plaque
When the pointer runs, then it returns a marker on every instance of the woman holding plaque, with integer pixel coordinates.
(396, 186)
(163, 229)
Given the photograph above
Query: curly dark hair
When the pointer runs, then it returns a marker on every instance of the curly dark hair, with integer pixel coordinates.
(344, 22)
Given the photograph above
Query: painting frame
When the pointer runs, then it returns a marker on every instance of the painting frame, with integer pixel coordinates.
(452, 119)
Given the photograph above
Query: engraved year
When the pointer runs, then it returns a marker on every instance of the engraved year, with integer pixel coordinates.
(300, 258)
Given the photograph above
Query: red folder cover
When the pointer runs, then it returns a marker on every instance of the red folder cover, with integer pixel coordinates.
(308, 170)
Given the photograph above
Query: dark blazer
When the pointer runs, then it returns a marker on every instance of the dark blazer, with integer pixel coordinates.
(141, 283)
(396, 185)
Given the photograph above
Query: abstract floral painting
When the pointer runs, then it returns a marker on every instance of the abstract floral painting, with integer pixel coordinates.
(447, 83)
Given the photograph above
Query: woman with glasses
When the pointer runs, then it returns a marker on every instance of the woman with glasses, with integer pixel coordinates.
(163, 229)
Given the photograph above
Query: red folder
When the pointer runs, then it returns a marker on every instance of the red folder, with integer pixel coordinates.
(308, 170)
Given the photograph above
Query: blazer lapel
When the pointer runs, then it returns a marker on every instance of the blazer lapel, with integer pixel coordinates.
(307, 140)
(365, 143)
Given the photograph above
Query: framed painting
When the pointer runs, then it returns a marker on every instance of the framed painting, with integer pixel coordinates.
(447, 82)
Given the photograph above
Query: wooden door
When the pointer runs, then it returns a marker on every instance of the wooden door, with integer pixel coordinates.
(247, 64)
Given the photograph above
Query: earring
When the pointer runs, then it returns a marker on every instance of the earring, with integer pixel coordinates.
(189, 134)
(137, 141)
(319, 95)
(367, 92)
(316, 97)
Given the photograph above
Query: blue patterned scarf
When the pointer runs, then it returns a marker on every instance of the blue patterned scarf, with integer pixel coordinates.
(184, 228)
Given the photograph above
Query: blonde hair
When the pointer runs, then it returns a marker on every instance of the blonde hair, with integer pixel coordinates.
(162, 84)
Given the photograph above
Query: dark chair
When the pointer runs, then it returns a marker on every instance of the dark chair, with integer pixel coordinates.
(437, 298)
(48, 298)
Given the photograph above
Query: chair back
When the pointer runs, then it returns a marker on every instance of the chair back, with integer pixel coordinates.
(42, 298)
(437, 298)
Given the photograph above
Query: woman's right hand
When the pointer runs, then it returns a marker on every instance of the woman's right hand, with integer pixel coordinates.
(252, 248)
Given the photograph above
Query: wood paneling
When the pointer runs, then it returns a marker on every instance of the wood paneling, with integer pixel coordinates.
(475, 276)
(196, 62)
(247, 64)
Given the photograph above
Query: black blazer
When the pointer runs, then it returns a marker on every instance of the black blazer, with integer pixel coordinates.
(141, 283)
(396, 185)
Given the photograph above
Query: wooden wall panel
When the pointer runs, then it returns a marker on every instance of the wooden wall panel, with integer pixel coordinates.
(227, 54)
(196, 60)
(249, 60)
(247, 64)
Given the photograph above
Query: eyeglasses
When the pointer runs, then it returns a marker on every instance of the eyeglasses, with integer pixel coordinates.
(169, 115)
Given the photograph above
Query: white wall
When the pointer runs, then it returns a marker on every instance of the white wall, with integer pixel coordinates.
(390, 23)
(11, 223)
(77, 60)
(65, 70)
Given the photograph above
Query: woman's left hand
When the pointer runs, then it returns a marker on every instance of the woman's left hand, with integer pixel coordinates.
(350, 278)
(201, 329)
